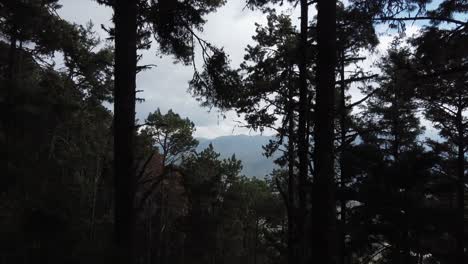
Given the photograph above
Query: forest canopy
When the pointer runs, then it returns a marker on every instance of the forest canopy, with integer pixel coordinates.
(366, 101)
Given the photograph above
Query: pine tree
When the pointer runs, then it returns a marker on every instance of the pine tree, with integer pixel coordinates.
(171, 134)
(392, 118)
(350, 24)
(442, 87)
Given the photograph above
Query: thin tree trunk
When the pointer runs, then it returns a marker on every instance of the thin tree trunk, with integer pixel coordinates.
(343, 254)
(460, 255)
(256, 241)
(324, 231)
(162, 228)
(12, 56)
(403, 243)
(303, 144)
(124, 126)
(291, 204)
(406, 239)
(93, 206)
(149, 247)
(7, 107)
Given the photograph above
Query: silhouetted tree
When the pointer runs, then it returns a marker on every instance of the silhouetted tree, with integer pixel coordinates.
(442, 86)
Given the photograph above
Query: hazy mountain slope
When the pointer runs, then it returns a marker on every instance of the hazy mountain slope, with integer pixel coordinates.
(248, 149)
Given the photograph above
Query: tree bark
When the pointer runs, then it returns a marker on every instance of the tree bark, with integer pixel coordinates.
(324, 232)
(124, 126)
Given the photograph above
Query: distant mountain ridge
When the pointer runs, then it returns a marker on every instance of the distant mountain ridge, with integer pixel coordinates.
(248, 149)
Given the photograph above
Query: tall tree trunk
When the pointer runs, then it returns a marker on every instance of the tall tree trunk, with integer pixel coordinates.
(303, 144)
(402, 245)
(460, 255)
(324, 205)
(343, 176)
(7, 120)
(291, 204)
(124, 126)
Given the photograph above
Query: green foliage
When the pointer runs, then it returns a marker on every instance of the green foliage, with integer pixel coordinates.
(231, 218)
(171, 134)
(393, 123)
(56, 193)
(172, 24)
(441, 81)
(217, 84)
(267, 70)
(55, 133)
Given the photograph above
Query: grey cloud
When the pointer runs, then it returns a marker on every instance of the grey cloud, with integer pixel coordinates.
(83, 11)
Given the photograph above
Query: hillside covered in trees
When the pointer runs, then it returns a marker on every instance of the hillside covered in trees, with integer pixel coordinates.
(367, 101)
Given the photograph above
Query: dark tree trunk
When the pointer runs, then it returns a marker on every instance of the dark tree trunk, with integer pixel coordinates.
(460, 255)
(97, 180)
(8, 104)
(12, 56)
(343, 176)
(303, 144)
(256, 241)
(324, 231)
(406, 253)
(291, 203)
(124, 126)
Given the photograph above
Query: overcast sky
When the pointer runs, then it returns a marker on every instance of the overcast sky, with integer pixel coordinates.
(165, 86)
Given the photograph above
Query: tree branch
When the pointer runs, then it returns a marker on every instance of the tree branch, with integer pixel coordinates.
(441, 19)
(362, 100)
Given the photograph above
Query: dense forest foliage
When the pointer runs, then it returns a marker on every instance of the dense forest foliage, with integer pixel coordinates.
(372, 163)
